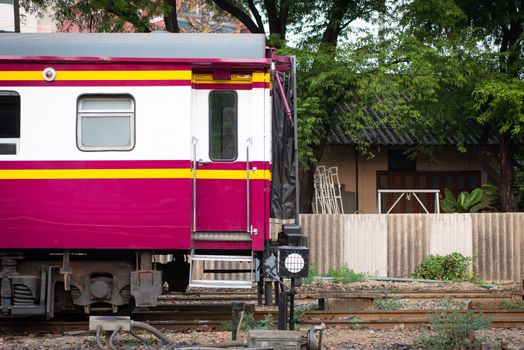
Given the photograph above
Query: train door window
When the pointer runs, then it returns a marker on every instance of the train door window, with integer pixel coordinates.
(223, 125)
(9, 122)
(106, 123)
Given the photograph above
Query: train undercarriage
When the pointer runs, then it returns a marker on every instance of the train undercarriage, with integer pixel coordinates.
(40, 283)
(34, 283)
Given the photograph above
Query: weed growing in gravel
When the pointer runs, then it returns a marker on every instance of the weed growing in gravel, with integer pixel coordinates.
(355, 321)
(266, 323)
(341, 275)
(148, 340)
(447, 304)
(388, 302)
(195, 339)
(346, 275)
(249, 323)
(301, 309)
(313, 272)
(452, 329)
(451, 267)
(513, 304)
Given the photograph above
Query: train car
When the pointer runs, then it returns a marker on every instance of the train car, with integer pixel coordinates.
(117, 147)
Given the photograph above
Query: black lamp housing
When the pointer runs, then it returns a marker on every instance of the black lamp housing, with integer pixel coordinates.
(297, 268)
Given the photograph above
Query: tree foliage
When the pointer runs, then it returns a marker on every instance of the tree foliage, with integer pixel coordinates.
(103, 15)
(445, 69)
(500, 102)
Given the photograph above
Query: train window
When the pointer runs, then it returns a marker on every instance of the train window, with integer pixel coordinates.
(9, 122)
(106, 123)
(223, 125)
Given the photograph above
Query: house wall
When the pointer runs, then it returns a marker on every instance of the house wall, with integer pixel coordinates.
(449, 159)
(445, 159)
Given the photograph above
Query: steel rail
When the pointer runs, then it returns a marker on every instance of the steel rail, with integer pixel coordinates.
(415, 295)
(216, 319)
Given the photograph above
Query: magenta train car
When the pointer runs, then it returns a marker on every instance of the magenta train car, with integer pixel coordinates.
(119, 148)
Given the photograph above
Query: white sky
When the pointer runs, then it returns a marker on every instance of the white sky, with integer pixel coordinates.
(29, 23)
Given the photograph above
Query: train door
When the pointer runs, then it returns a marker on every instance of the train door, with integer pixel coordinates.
(220, 150)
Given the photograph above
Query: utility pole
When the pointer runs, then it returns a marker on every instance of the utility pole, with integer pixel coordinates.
(16, 12)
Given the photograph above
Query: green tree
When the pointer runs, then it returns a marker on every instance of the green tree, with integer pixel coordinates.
(446, 68)
(108, 15)
(322, 69)
(498, 97)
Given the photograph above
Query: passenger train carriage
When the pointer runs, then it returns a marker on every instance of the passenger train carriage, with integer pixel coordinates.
(117, 147)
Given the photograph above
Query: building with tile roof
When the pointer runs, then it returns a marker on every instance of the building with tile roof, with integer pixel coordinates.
(392, 168)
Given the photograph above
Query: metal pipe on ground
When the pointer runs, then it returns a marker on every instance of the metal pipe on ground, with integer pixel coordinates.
(151, 329)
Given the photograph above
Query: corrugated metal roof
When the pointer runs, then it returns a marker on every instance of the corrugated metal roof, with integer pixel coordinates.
(135, 45)
(387, 135)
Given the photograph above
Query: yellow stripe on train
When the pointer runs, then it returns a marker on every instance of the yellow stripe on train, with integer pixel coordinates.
(64, 174)
(256, 77)
(101, 75)
(158, 75)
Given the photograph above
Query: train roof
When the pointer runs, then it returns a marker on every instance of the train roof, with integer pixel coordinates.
(135, 45)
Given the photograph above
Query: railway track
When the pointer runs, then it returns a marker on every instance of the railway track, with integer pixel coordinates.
(485, 296)
(211, 310)
(173, 319)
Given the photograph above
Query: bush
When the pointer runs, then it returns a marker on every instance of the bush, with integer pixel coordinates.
(249, 323)
(388, 302)
(465, 202)
(341, 275)
(345, 275)
(313, 272)
(454, 329)
(452, 267)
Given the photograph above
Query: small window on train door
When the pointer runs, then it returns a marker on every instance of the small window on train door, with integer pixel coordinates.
(9, 122)
(223, 125)
(106, 123)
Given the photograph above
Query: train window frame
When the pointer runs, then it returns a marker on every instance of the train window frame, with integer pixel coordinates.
(10, 144)
(101, 113)
(210, 124)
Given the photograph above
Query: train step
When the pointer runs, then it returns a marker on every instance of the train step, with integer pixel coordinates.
(217, 266)
(229, 236)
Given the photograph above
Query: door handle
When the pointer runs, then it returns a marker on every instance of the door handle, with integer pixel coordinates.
(201, 162)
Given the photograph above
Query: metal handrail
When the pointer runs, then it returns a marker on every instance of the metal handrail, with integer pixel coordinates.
(407, 193)
(295, 143)
(248, 194)
(195, 141)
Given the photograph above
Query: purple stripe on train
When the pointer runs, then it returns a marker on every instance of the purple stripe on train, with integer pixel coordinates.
(125, 213)
(90, 67)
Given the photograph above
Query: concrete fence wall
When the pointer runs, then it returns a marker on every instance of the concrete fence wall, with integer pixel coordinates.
(498, 240)
(393, 245)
